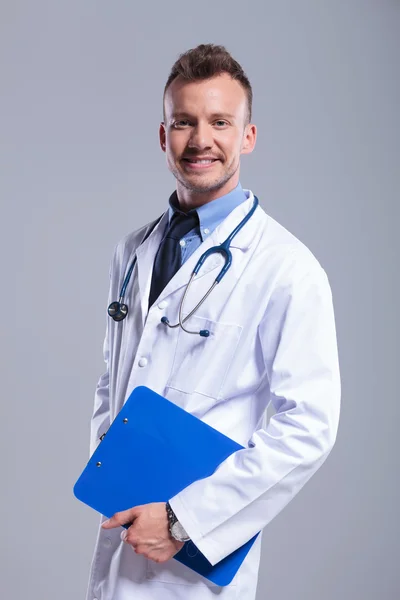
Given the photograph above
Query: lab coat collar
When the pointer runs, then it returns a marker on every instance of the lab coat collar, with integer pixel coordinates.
(212, 213)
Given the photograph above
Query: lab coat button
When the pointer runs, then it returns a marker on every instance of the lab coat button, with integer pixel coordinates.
(162, 304)
(182, 243)
(142, 362)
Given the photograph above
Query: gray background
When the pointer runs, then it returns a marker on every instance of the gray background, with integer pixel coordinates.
(81, 85)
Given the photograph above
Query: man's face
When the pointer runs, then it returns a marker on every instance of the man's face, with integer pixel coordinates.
(205, 132)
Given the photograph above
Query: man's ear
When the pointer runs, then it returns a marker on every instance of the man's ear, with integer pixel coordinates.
(162, 136)
(249, 139)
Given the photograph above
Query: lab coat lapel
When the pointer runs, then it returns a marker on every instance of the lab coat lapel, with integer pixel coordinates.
(145, 255)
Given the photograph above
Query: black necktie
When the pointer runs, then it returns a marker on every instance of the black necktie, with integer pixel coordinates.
(168, 257)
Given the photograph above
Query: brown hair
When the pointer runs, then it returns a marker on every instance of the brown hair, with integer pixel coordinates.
(206, 61)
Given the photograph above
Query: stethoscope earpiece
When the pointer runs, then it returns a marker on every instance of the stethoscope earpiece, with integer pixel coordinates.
(117, 311)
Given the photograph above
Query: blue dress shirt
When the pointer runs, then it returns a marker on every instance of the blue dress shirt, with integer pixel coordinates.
(210, 216)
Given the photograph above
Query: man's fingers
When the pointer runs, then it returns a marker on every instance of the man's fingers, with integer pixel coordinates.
(130, 537)
(121, 518)
(125, 537)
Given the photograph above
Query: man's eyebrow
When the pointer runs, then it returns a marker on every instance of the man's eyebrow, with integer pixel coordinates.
(178, 115)
(223, 115)
(218, 115)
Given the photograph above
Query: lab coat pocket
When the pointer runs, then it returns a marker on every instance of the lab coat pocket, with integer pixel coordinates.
(175, 573)
(201, 364)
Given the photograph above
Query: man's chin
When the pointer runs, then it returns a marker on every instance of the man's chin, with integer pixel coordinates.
(199, 182)
(201, 187)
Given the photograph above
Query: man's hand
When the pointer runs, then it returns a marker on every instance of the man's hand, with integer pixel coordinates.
(149, 533)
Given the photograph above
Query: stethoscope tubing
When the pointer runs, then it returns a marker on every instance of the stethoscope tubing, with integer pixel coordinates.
(119, 310)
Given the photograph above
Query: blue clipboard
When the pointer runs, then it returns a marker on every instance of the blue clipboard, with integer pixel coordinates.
(153, 450)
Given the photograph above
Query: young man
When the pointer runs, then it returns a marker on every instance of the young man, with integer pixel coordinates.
(272, 339)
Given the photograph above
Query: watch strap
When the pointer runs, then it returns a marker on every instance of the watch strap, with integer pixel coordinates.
(172, 518)
(176, 529)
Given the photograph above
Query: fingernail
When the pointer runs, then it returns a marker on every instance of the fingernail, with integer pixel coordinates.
(106, 522)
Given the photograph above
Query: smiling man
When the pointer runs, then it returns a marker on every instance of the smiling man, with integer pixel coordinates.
(206, 128)
(270, 339)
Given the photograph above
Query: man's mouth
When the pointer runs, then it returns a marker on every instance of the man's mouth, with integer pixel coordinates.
(200, 161)
(199, 164)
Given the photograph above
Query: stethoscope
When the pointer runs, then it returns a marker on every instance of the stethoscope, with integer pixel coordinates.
(118, 309)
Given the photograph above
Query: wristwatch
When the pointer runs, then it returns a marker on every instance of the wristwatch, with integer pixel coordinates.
(175, 528)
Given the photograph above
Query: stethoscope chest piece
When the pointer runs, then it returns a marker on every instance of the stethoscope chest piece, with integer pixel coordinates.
(118, 310)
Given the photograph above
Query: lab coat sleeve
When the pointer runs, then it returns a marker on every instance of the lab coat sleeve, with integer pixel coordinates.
(298, 339)
(100, 420)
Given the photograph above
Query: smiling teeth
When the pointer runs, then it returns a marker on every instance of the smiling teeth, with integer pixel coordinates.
(201, 162)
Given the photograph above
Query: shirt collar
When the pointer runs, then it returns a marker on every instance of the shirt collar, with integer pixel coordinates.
(212, 213)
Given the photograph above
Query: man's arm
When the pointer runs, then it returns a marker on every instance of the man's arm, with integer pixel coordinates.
(298, 340)
(100, 421)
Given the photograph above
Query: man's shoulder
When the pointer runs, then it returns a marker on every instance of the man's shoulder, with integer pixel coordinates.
(290, 253)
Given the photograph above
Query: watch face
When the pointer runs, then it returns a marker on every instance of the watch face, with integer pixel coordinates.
(178, 532)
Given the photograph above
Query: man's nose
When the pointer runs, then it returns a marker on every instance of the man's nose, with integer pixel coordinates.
(201, 137)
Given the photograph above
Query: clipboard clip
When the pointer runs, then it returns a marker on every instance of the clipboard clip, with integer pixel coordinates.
(103, 435)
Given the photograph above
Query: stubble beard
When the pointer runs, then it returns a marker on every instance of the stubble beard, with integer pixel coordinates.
(207, 186)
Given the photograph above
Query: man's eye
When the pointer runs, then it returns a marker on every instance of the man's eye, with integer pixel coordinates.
(181, 123)
(220, 123)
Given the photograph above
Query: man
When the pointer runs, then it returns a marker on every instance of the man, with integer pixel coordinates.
(272, 339)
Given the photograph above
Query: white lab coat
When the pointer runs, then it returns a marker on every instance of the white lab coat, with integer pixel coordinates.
(272, 339)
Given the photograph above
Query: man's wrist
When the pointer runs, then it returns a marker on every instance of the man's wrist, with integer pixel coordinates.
(175, 527)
